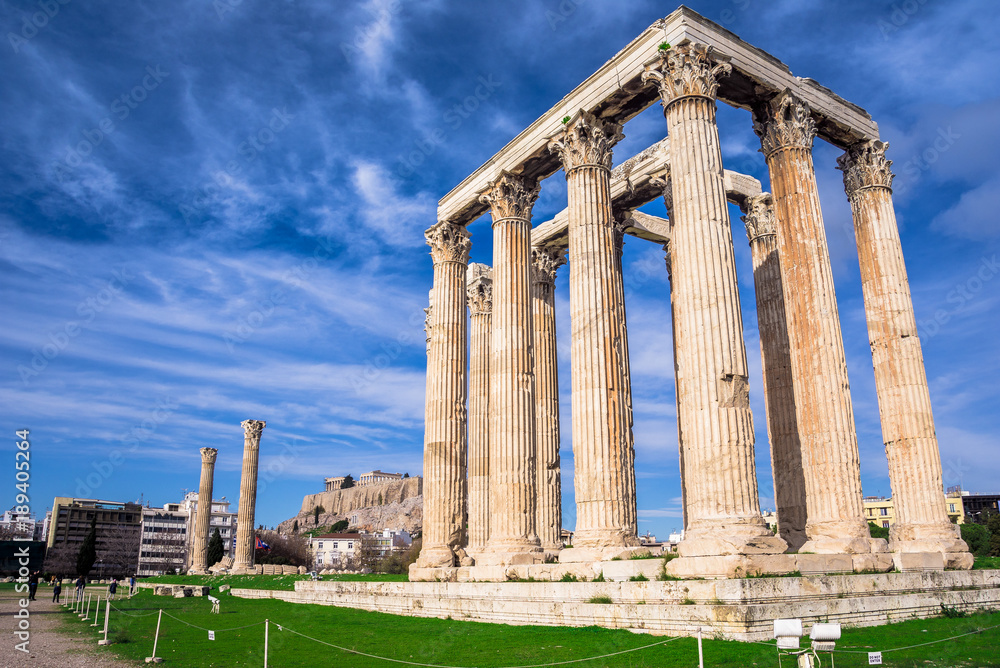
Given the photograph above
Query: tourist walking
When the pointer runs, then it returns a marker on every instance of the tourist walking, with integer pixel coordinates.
(112, 588)
(131, 586)
(81, 582)
(56, 590)
(32, 585)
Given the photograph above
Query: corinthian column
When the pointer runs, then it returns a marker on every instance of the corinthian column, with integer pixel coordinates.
(203, 518)
(835, 521)
(922, 525)
(444, 417)
(248, 496)
(513, 536)
(715, 424)
(544, 263)
(480, 295)
(779, 398)
(603, 455)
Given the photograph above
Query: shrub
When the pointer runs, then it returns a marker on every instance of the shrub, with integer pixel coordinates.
(600, 599)
(977, 537)
(568, 577)
(638, 578)
(878, 532)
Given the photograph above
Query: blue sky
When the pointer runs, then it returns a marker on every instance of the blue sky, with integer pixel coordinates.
(214, 212)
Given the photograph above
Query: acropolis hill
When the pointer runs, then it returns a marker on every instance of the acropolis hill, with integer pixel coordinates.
(392, 504)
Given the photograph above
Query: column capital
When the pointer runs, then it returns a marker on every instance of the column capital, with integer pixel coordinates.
(668, 260)
(758, 216)
(449, 243)
(865, 166)
(252, 429)
(686, 70)
(208, 455)
(479, 288)
(664, 184)
(586, 141)
(545, 260)
(511, 196)
(784, 121)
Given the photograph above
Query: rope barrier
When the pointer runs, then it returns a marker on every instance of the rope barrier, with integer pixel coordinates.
(437, 665)
(129, 614)
(894, 649)
(194, 626)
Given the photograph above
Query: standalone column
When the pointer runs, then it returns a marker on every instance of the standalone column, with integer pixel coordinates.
(779, 398)
(513, 536)
(603, 455)
(203, 518)
(248, 496)
(622, 221)
(715, 424)
(922, 525)
(480, 294)
(544, 263)
(835, 521)
(444, 419)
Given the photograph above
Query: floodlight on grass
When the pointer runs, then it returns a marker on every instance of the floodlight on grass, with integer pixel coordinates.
(787, 632)
(824, 637)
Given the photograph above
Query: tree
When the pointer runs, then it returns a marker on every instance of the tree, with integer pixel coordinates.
(216, 550)
(406, 475)
(60, 560)
(316, 513)
(295, 526)
(88, 550)
(348, 482)
(340, 526)
(380, 498)
(993, 525)
(285, 549)
(877, 532)
(119, 550)
(977, 537)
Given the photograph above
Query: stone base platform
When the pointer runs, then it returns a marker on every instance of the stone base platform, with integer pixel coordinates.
(738, 609)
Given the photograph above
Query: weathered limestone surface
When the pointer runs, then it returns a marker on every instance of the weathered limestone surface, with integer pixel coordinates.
(900, 380)
(203, 520)
(513, 478)
(739, 609)
(779, 397)
(715, 426)
(835, 520)
(245, 525)
(445, 418)
(603, 455)
(544, 263)
(343, 501)
(480, 296)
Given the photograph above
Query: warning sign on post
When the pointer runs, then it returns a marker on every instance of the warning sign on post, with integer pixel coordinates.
(874, 658)
(211, 636)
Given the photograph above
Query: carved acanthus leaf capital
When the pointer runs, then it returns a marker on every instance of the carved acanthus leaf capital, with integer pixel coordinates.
(208, 455)
(783, 122)
(511, 196)
(586, 140)
(666, 187)
(668, 259)
(758, 216)
(252, 430)
(686, 70)
(545, 261)
(449, 243)
(479, 288)
(865, 166)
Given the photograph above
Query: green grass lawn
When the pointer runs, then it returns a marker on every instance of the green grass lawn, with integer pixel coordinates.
(986, 563)
(454, 643)
(266, 581)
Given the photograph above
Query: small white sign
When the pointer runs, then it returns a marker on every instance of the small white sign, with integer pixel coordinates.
(874, 658)
(211, 636)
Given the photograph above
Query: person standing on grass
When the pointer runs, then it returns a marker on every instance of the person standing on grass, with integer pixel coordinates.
(32, 585)
(131, 586)
(56, 590)
(81, 582)
(112, 588)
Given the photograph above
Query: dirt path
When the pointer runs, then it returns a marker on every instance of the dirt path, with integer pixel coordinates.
(48, 646)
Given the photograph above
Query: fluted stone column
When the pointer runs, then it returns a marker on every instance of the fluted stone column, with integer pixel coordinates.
(716, 426)
(513, 477)
(544, 263)
(779, 397)
(835, 521)
(245, 526)
(603, 453)
(445, 418)
(922, 525)
(480, 296)
(203, 518)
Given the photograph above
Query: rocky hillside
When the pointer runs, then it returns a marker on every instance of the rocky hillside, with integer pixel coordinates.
(390, 505)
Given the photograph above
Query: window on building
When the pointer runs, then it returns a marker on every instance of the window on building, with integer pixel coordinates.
(320, 546)
(883, 512)
(951, 507)
(350, 546)
(885, 524)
